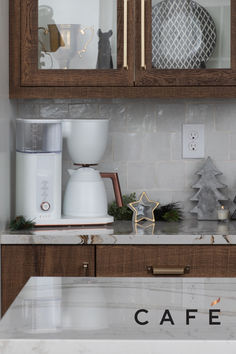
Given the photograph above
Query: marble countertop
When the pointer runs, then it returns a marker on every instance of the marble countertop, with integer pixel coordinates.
(105, 308)
(190, 232)
(97, 315)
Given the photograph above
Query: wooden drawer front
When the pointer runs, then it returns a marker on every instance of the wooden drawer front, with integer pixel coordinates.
(132, 261)
(20, 262)
(66, 261)
(18, 265)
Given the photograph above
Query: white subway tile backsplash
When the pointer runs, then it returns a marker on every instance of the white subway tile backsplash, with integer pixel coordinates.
(141, 176)
(111, 110)
(169, 175)
(127, 147)
(29, 110)
(141, 116)
(108, 156)
(83, 111)
(170, 117)
(176, 145)
(53, 110)
(217, 145)
(141, 147)
(145, 141)
(116, 113)
(225, 116)
(118, 124)
(201, 113)
(155, 147)
(228, 168)
(163, 197)
(183, 197)
(232, 148)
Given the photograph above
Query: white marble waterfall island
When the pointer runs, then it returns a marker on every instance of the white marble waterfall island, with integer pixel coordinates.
(97, 315)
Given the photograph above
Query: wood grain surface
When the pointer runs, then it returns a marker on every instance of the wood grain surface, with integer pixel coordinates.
(20, 262)
(132, 261)
(32, 76)
(26, 81)
(191, 77)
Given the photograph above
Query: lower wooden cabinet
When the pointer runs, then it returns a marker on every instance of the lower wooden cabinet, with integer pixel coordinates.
(20, 262)
(144, 261)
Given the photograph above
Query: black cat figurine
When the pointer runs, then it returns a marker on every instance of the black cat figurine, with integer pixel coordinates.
(104, 50)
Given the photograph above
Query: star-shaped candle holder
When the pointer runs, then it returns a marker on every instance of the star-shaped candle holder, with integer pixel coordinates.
(143, 209)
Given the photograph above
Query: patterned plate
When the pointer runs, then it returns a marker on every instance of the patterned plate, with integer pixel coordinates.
(183, 35)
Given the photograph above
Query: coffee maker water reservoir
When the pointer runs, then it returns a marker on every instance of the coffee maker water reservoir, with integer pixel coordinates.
(38, 169)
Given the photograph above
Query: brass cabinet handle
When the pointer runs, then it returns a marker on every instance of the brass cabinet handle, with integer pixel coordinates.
(168, 270)
(143, 63)
(85, 268)
(125, 58)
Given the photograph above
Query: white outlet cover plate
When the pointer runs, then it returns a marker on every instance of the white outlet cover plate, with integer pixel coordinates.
(193, 141)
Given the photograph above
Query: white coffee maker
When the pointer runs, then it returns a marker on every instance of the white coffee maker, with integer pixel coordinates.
(85, 199)
(85, 196)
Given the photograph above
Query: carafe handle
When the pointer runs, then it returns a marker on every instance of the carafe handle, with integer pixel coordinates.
(116, 185)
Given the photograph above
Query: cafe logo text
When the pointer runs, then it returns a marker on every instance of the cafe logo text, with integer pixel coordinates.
(141, 317)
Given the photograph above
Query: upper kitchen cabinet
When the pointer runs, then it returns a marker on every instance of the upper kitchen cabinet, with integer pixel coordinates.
(64, 44)
(122, 48)
(186, 43)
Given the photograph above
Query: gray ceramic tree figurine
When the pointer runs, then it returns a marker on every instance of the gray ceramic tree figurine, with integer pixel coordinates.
(209, 192)
(104, 60)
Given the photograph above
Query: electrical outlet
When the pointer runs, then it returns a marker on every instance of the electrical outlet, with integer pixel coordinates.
(193, 141)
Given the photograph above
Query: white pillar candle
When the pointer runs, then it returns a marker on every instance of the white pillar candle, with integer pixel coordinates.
(223, 214)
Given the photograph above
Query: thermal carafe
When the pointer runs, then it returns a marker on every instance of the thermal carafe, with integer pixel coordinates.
(38, 169)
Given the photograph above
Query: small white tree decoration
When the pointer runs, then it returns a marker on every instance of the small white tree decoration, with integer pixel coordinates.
(209, 195)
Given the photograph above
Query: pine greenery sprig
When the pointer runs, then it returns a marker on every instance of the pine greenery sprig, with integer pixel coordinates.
(123, 213)
(169, 212)
(20, 223)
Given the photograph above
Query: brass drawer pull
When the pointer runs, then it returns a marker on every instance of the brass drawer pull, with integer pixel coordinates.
(85, 268)
(168, 270)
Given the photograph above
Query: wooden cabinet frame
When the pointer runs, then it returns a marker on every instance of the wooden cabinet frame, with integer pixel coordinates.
(32, 76)
(26, 81)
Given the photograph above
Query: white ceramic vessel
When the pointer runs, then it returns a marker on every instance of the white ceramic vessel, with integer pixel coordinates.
(86, 139)
(85, 194)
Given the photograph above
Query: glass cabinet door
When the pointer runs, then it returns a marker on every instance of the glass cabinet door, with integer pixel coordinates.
(77, 42)
(77, 34)
(186, 42)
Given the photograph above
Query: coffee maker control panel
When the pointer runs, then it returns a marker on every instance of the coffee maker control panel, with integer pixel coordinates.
(45, 193)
